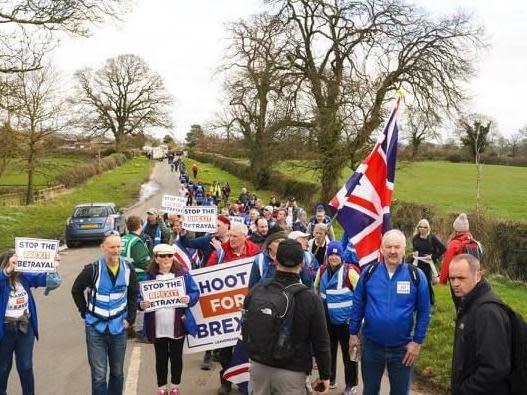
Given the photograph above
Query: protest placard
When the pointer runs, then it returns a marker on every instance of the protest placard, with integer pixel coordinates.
(200, 218)
(163, 293)
(222, 291)
(35, 255)
(235, 219)
(173, 204)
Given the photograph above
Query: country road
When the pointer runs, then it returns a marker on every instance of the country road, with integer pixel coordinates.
(60, 362)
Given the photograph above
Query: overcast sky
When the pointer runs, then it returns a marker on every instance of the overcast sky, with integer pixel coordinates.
(184, 40)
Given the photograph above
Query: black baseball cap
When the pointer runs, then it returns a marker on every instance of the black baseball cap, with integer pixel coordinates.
(290, 253)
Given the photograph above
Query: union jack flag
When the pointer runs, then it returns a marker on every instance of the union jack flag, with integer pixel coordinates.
(363, 203)
(237, 370)
(188, 257)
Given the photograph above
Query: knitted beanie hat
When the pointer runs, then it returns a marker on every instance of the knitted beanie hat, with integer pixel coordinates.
(461, 223)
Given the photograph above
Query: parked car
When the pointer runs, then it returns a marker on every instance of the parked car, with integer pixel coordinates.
(90, 221)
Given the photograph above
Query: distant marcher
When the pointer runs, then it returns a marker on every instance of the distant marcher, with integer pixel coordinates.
(320, 217)
(335, 283)
(301, 223)
(110, 310)
(19, 327)
(319, 242)
(264, 266)
(262, 231)
(481, 362)
(391, 303)
(155, 230)
(166, 328)
(225, 193)
(427, 251)
(194, 170)
(272, 372)
(456, 245)
(273, 202)
(137, 253)
(244, 197)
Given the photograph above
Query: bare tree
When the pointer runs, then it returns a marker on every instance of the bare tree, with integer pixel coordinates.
(123, 98)
(419, 126)
(28, 27)
(515, 142)
(354, 55)
(262, 93)
(37, 109)
(475, 130)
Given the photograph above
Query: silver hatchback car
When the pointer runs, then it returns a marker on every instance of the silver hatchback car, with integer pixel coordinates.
(90, 221)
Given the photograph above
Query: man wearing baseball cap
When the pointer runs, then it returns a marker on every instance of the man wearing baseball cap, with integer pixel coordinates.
(308, 333)
(155, 230)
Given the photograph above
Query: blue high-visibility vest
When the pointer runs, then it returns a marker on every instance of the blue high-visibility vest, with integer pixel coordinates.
(107, 302)
(336, 295)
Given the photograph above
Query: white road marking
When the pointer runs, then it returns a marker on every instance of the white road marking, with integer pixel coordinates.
(132, 376)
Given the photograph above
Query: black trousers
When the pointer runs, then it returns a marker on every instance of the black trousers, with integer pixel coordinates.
(166, 348)
(427, 270)
(224, 357)
(340, 334)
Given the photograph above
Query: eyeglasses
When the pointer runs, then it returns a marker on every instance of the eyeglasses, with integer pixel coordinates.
(164, 255)
(423, 227)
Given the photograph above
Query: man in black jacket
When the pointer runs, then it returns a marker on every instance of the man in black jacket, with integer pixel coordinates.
(481, 360)
(309, 331)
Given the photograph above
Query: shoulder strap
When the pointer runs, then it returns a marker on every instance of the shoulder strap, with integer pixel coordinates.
(371, 269)
(414, 275)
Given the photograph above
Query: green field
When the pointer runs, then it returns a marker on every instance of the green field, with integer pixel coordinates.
(208, 173)
(450, 187)
(47, 170)
(47, 219)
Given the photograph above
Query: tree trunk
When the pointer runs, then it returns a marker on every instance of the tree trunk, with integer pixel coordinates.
(261, 166)
(30, 172)
(331, 155)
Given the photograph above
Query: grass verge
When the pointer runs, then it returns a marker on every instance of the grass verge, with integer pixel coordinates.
(47, 219)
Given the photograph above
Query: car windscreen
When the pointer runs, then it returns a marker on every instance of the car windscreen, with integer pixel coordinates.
(90, 212)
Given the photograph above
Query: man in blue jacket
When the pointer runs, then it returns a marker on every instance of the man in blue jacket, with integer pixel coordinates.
(387, 296)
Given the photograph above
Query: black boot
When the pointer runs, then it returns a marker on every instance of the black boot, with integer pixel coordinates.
(225, 388)
(207, 361)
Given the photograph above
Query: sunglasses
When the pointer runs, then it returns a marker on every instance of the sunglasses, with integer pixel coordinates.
(423, 227)
(164, 255)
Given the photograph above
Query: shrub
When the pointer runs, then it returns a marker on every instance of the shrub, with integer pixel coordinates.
(80, 174)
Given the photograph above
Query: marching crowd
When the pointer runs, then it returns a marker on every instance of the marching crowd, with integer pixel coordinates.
(307, 295)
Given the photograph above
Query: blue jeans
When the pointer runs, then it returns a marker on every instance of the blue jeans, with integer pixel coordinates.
(374, 360)
(21, 344)
(106, 349)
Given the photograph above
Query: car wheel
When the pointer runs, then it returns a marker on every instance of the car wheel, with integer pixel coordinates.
(70, 244)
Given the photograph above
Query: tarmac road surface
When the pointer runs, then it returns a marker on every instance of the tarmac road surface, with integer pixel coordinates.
(60, 361)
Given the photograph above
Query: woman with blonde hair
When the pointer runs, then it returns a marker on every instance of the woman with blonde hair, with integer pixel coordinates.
(427, 250)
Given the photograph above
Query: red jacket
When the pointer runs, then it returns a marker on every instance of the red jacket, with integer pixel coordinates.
(455, 247)
(250, 249)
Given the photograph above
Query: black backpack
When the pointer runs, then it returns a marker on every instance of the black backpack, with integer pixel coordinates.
(518, 376)
(268, 320)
